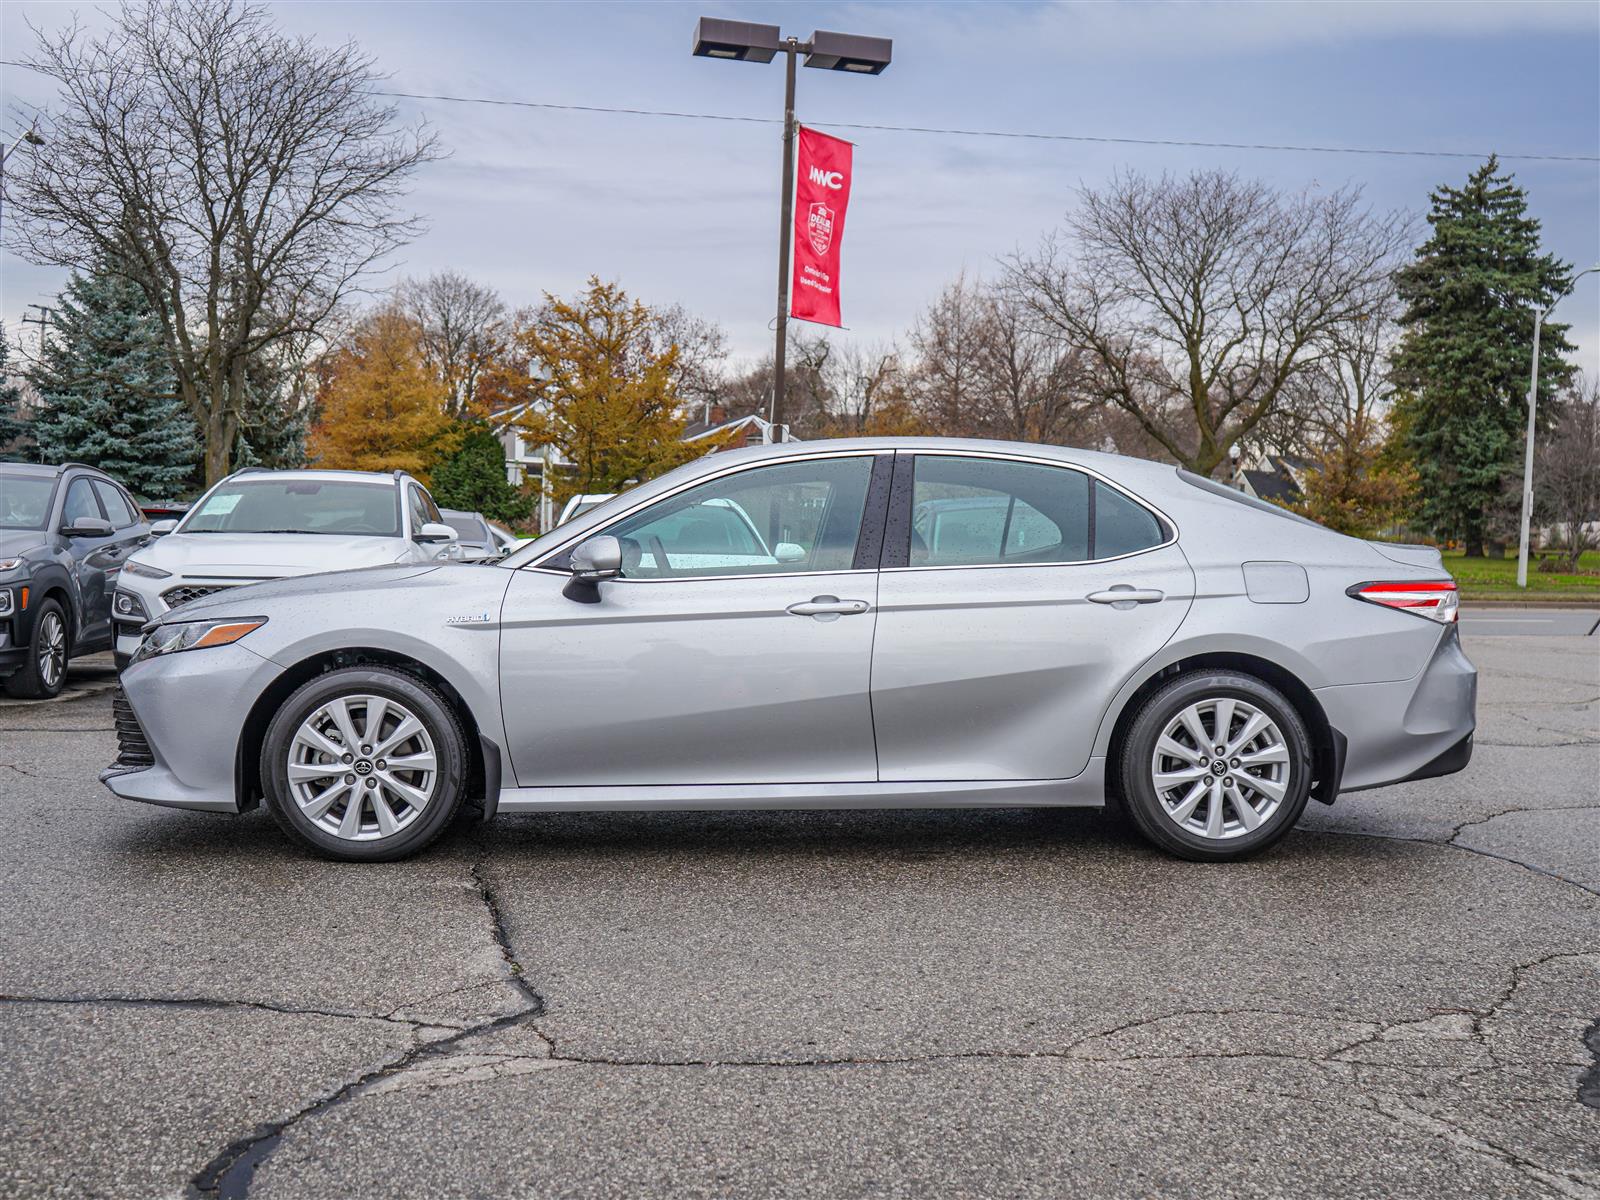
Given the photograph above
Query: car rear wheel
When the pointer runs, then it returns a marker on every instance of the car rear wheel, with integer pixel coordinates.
(1216, 766)
(44, 673)
(366, 764)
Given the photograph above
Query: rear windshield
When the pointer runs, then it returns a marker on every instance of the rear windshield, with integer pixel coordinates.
(469, 528)
(1238, 497)
(25, 500)
(269, 505)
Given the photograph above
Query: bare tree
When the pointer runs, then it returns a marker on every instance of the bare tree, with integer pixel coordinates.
(1204, 295)
(247, 179)
(953, 342)
(702, 354)
(1567, 472)
(463, 329)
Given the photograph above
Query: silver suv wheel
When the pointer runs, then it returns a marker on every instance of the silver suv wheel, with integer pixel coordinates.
(362, 767)
(1221, 768)
(52, 649)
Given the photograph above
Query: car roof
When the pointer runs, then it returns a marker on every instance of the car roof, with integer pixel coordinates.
(320, 473)
(49, 470)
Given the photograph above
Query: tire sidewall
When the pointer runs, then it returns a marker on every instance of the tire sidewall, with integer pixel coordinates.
(1138, 789)
(442, 724)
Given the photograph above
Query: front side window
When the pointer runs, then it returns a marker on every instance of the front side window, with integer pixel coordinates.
(266, 505)
(990, 511)
(783, 518)
(81, 504)
(118, 511)
(25, 500)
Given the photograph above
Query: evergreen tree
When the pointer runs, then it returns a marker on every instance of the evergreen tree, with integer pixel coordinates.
(474, 479)
(15, 445)
(1464, 361)
(106, 391)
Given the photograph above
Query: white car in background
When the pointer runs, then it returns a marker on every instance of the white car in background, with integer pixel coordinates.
(258, 525)
(579, 505)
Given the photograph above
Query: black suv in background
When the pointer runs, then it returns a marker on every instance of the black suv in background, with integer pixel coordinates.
(65, 532)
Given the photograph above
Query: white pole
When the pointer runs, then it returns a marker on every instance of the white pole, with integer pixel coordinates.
(1533, 408)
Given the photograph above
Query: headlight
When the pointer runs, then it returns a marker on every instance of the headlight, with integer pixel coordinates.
(194, 635)
(145, 571)
(125, 606)
(10, 564)
(8, 602)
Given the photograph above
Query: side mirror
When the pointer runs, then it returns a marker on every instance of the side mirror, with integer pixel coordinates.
(789, 552)
(597, 558)
(163, 527)
(434, 531)
(88, 527)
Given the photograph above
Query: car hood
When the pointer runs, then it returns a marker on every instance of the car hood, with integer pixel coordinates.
(265, 555)
(14, 542)
(325, 586)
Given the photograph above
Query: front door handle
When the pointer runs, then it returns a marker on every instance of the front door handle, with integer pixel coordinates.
(1123, 595)
(826, 607)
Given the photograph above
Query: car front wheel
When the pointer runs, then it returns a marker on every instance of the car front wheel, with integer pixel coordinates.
(366, 764)
(44, 672)
(1216, 766)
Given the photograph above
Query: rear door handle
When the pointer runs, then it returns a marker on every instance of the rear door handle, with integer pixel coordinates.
(829, 606)
(1124, 595)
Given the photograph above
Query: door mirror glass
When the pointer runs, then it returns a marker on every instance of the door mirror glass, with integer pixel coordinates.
(435, 531)
(163, 527)
(88, 527)
(597, 558)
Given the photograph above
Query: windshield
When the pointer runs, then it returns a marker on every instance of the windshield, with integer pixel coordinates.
(25, 500)
(470, 529)
(267, 505)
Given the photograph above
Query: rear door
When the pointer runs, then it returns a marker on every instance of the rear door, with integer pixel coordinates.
(1015, 598)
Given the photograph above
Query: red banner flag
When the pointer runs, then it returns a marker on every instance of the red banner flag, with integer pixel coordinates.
(821, 194)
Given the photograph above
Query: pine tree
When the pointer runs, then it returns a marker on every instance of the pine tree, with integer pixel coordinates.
(474, 479)
(15, 444)
(106, 391)
(1464, 361)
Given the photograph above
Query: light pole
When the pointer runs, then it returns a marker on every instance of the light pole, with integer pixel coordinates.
(33, 139)
(742, 41)
(1533, 410)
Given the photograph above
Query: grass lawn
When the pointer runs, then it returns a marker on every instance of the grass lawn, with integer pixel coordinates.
(1496, 579)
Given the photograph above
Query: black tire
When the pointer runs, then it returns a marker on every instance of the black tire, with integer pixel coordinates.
(29, 682)
(444, 729)
(1136, 770)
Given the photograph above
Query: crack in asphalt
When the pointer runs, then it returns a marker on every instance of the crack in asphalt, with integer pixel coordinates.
(211, 1003)
(1451, 844)
(228, 1176)
(1589, 1081)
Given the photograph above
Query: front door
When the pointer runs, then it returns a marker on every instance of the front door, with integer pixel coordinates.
(736, 647)
(1000, 638)
(90, 557)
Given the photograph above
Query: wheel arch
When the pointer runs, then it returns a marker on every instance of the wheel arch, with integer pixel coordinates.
(483, 756)
(1327, 743)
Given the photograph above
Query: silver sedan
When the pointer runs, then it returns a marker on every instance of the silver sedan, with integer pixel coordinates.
(870, 623)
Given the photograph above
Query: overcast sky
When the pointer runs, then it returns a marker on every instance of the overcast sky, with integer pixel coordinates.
(686, 210)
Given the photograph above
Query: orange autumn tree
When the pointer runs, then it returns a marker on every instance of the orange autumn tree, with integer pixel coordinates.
(604, 375)
(380, 408)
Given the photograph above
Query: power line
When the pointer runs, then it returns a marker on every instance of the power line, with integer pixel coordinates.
(1013, 134)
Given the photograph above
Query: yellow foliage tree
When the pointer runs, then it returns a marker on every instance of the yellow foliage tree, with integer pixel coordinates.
(381, 408)
(604, 385)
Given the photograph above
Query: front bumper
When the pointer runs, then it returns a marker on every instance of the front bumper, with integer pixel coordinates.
(1416, 728)
(190, 708)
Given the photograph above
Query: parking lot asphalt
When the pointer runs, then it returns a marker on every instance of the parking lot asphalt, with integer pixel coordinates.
(1402, 999)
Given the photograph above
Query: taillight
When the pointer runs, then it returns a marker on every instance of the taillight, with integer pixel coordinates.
(1435, 599)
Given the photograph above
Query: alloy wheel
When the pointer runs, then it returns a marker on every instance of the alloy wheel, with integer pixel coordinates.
(362, 767)
(52, 650)
(1221, 768)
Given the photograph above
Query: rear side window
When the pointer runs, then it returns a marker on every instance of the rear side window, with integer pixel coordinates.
(1121, 526)
(990, 511)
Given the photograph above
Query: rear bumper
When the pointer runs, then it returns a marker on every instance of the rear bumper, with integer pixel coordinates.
(1416, 728)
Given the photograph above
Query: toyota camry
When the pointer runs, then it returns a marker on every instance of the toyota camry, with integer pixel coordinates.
(870, 623)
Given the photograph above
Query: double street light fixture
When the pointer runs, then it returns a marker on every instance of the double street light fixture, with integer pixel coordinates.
(1533, 410)
(743, 41)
